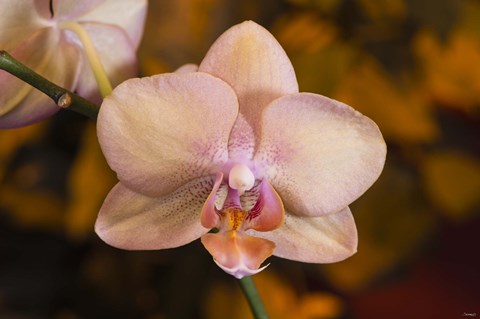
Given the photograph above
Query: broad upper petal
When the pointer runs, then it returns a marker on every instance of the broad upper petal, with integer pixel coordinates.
(116, 53)
(251, 60)
(160, 132)
(319, 154)
(325, 239)
(129, 220)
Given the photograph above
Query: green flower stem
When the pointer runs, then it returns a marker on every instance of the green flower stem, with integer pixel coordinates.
(253, 298)
(62, 97)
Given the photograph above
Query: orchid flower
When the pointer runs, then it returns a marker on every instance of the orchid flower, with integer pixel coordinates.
(233, 146)
(58, 39)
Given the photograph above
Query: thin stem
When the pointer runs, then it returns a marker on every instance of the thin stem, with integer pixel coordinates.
(62, 97)
(96, 65)
(253, 298)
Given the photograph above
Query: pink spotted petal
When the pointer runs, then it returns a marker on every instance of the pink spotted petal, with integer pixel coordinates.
(325, 239)
(237, 253)
(251, 60)
(318, 153)
(268, 212)
(209, 214)
(160, 132)
(132, 221)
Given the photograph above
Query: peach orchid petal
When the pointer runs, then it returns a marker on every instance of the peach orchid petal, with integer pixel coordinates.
(322, 156)
(129, 220)
(325, 239)
(251, 60)
(158, 142)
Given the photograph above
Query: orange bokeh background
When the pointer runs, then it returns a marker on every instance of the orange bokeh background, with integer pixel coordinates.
(411, 65)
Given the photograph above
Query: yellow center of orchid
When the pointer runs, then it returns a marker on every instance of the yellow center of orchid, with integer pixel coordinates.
(233, 249)
(234, 218)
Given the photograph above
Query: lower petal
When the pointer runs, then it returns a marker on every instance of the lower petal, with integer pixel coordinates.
(237, 253)
(325, 239)
(132, 221)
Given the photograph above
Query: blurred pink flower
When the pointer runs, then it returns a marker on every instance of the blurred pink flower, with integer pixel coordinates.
(223, 147)
(38, 34)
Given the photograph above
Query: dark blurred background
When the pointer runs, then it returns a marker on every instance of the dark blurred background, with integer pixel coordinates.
(411, 65)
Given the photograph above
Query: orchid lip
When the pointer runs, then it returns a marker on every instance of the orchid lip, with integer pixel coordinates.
(236, 252)
(241, 270)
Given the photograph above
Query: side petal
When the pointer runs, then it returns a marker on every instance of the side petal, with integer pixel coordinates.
(318, 153)
(325, 239)
(251, 60)
(238, 254)
(116, 52)
(132, 221)
(160, 132)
